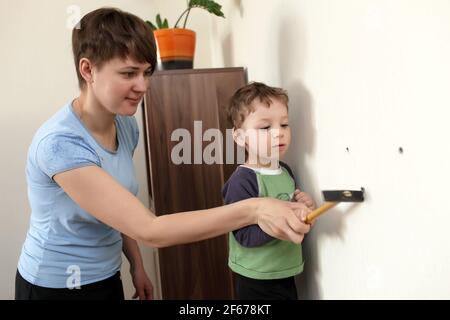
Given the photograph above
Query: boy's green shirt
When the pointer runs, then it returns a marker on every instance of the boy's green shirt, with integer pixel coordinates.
(275, 259)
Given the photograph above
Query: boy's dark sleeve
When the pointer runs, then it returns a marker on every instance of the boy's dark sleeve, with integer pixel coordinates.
(243, 185)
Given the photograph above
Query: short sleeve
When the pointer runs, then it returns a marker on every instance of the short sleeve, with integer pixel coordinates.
(57, 153)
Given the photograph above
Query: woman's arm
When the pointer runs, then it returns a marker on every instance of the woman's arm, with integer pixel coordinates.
(98, 193)
(141, 282)
(131, 250)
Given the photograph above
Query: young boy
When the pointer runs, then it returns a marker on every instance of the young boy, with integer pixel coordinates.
(265, 267)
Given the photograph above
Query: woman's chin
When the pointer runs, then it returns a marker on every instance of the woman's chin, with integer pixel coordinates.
(128, 111)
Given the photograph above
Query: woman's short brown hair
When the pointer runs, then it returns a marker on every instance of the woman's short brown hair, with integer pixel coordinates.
(109, 33)
(241, 104)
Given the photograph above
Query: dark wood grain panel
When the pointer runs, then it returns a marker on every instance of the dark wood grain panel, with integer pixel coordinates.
(175, 100)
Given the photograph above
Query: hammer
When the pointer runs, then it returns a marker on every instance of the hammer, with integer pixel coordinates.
(332, 198)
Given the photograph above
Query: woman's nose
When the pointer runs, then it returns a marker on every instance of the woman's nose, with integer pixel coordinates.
(141, 84)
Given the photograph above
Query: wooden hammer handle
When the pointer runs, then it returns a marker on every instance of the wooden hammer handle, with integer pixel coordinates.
(314, 214)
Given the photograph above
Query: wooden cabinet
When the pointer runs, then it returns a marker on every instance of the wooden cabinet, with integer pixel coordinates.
(175, 100)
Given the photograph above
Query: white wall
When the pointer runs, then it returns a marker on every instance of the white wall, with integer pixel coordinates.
(368, 75)
(38, 77)
(371, 76)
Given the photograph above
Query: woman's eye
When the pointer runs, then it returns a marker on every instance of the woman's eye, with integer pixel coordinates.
(285, 125)
(265, 128)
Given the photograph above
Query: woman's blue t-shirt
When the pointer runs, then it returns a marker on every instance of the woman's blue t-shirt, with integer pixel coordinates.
(63, 240)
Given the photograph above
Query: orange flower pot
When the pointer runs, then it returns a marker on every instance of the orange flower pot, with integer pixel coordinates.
(176, 48)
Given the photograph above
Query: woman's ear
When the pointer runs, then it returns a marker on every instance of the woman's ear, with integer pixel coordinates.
(85, 66)
(239, 137)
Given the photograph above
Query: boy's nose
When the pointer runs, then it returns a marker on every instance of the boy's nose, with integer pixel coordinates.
(276, 133)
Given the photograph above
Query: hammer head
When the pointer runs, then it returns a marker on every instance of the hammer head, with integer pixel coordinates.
(343, 195)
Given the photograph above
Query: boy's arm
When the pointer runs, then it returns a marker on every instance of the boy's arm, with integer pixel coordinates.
(243, 185)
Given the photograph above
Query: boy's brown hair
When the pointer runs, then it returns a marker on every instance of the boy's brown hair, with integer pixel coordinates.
(109, 33)
(241, 104)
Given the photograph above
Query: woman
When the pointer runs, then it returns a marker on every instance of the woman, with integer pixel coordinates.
(81, 180)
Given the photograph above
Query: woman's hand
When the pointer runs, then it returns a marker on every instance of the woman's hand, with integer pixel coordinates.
(142, 284)
(282, 219)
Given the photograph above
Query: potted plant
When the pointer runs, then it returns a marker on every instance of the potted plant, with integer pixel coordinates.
(176, 45)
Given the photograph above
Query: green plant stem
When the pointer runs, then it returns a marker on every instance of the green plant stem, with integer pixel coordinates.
(184, 12)
(185, 20)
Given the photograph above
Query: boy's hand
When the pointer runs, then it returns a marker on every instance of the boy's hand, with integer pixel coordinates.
(303, 197)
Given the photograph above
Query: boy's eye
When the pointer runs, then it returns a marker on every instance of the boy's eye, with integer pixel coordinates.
(147, 73)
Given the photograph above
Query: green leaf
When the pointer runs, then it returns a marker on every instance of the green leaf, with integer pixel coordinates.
(209, 5)
(152, 26)
(165, 24)
(158, 21)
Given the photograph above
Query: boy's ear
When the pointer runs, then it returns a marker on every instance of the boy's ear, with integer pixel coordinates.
(239, 137)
